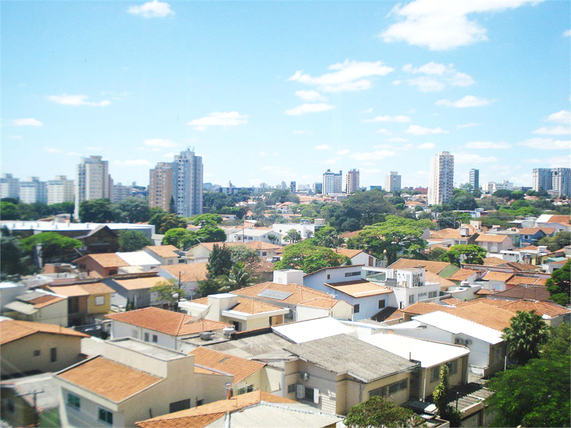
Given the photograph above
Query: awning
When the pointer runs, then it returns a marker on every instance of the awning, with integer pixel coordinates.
(21, 307)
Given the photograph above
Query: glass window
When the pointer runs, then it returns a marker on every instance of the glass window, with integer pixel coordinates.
(381, 304)
(146, 337)
(73, 401)
(356, 309)
(309, 394)
(53, 355)
(99, 300)
(382, 392)
(155, 338)
(434, 374)
(453, 367)
(37, 353)
(291, 388)
(105, 416)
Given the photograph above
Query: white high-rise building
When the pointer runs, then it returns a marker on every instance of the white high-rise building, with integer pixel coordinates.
(9, 186)
(33, 191)
(392, 182)
(92, 181)
(475, 179)
(60, 190)
(352, 184)
(332, 183)
(187, 183)
(120, 192)
(556, 181)
(441, 180)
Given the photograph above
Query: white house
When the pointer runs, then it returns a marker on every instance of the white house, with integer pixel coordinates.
(165, 254)
(248, 235)
(358, 257)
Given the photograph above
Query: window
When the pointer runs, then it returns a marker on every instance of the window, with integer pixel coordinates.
(53, 355)
(105, 416)
(453, 367)
(381, 304)
(381, 392)
(398, 386)
(432, 294)
(199, 402)
(309, 394)
(328, 276)
(37, 353)
(155, 338)
(99, 300)
(411, 299)
(434, 374)
(348, 274)
(179, 405)
(73, 401)
(291, 388)
(356, 309)
(146, 337)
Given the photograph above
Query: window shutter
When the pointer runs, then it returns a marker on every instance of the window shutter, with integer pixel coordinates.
(300, 392)
(316, 395)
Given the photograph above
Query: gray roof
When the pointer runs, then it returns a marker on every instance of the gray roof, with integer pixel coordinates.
(346, 354)
(47, 397)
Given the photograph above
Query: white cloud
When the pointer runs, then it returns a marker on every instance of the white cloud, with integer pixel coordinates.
(467, 101)
(15, 137)
(560, 161)
(322, 147)
(443, 24)
(308, 108)
(563, 116)
(426, 146)
(309, 95)
(76, 100)
(377, 155)
(546, 144)
(471, 158)
(52, 150)
(160, 143)
(487, 145)
(396, 140)
(397, 119)
(466, 125)
(437, 76)
(134, 162)
(535, 160)
(567, 33)
(384, 131)
(343, 152)
(27, 122)
(152, 9)
(553, 130)
(345, 76)
(419, 130)
(231, 118)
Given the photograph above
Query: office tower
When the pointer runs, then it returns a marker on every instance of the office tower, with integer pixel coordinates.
(542, 179)
(392, 182)
(33, 191)
(60, 190)
(293, 186)
(9, 187)
(352, 184)
(332, 183)
(92, 181)
(475, 179)
(119, 192)
(318, 188)
(441, 180)
(561, 181)
(187, 183)
(161, 186)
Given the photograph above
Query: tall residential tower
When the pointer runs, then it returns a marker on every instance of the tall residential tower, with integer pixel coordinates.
(393, 182)
(352, 184)
(475, 179)
(332, 183)
(92, 181)
(187, 183)
(441, 180)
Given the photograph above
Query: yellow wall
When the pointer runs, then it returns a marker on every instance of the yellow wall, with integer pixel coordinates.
(92, 308)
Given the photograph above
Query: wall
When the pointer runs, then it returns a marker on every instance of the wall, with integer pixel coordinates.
(92, 308)
(120, 329)
(56, 313)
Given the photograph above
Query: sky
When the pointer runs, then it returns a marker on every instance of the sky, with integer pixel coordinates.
(272, 91)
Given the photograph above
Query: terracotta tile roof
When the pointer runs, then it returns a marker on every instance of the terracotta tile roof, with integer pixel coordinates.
(563, 219)
(523, 266)
(204, 370)
(347, 252)
(105, 260)
(108, 379)
(163, 250)
(542, 308)
(526, 280)
(497, 276)
(484, 292)
(534, 230)
(43, 301)
(240, 368)
(430, 266)
(493, 261)
(360, 288)
(446, 234)
(462, 274)
(11, 330)
(300, 295)
(140, 283)
(432, 277)
(262, 245)
(168, 322)
(528, 248)
(491, 238)
(523, 291)
(348, 235)
(203, 415)
(191, 272)
(82, 289)
(210, 245)
(251, 306)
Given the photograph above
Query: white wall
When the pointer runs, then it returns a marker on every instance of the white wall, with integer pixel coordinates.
(120, 329)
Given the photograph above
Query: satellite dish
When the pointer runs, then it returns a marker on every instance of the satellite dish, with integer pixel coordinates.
(200, 316)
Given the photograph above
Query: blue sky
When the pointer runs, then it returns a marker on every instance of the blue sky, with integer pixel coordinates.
(284, 90)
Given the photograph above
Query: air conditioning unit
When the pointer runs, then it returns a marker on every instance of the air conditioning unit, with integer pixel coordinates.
(467, 342)
(458, 341)
(304, 376)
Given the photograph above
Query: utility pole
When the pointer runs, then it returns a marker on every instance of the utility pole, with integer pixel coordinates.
(34, 404)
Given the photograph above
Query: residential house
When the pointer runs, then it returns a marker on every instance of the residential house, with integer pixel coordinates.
(129, 382)
(358, 257)
(101, 265)
(243, 313)
(31, 347)
(134, 290)
(38, 306)
(88, 300)
(186, 275)
(497, 281)
(101, 239)
(165, 254)
(532, 235)
(336, 373)
(266, 250)
(494, 244)
(306, 331)
(561, 223)
(442, 269)
(463, 275)
(525, 292)
(464, 235)
(159, 326)
(252, 234)
(138, 261)
(431, 355)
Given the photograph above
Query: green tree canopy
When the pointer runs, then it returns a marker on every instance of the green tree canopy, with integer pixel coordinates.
(242, 254)
(219, 261)
(327, 237)
(10, 254)
(448, 220)
(96, 211)
(557, 241)
(168, 292)
(211, 234)
(309, 257)
(471, 254)
(207, 220)
(133, 240)
(527, 331)
(9, 211)
(558, 284)
(380, 412)
(180, 237)
(238, 277)
(132, 210)
(53, 244)
(164, 222)
(359, 210)
(292, 236)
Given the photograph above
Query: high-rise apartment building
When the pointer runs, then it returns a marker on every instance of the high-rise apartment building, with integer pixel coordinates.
(92, 181)
(475, 179)
(187, 183)
(9, 186)
(60, 190)
(161, 185)
(293, 186)
(120, 192)
(352, 184)
(332, 183)
(541, 179)
(556, 181)
(441, 179)
(33, 191)
(393, 182)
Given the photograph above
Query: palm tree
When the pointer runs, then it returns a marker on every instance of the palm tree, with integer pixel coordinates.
(524, 335)
(239, 277)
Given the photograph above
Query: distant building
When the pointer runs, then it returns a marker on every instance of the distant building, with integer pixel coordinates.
(492, 187)
(9, 187)
(441, 181)
(92, 181)
(332, 182)
(60, 190)
(352, 184)
(293, 187)
(556, 181)
(187, 183)
(318, 187)
(33, 191)
(541, 179)
(475, 179)
(120, 192)
(393, 182)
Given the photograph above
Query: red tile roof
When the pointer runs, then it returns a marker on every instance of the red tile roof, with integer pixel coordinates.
(11, 330)
(240, 368)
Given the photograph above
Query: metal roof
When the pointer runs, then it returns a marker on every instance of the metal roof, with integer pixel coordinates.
(304, 331)
(21, 307)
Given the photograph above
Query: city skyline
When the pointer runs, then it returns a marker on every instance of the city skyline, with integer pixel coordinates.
(240, 83)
